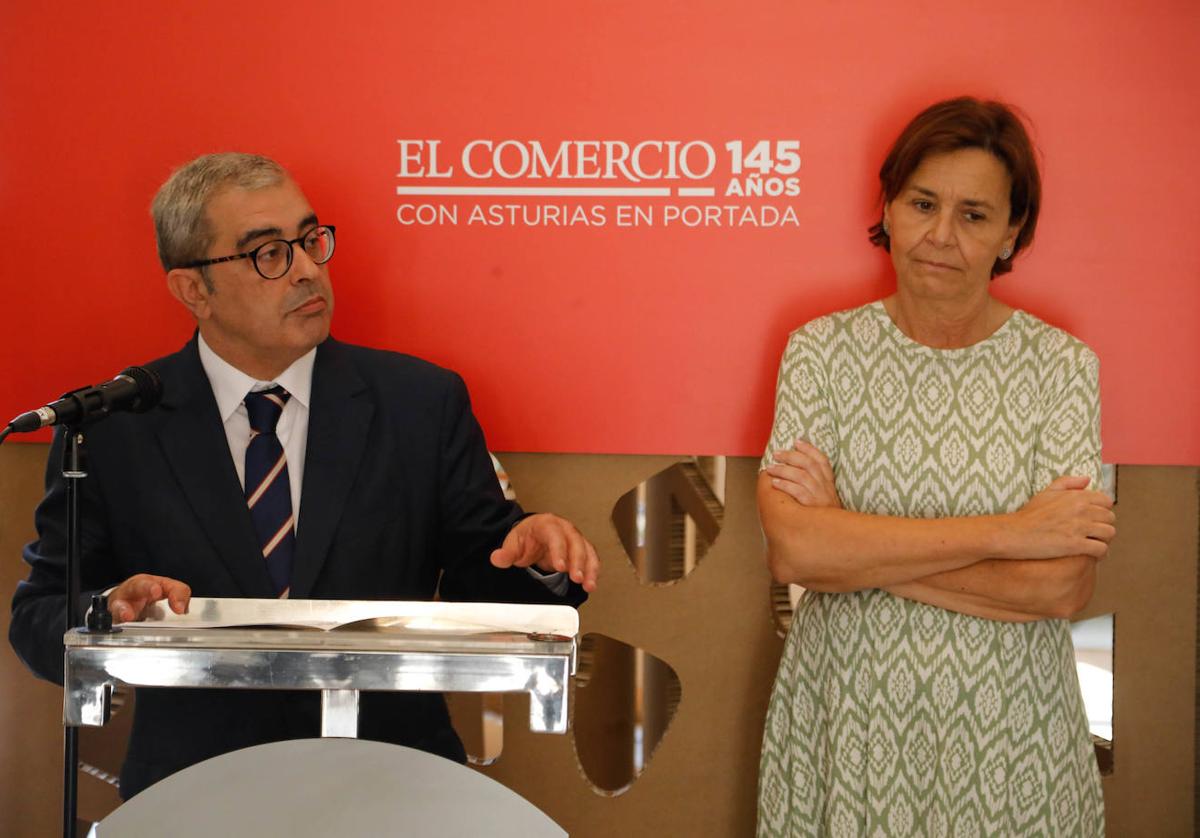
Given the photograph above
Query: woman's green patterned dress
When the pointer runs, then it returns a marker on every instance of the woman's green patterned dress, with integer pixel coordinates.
(890, 717)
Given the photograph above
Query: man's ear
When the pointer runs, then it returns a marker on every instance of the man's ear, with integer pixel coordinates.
(189, 286)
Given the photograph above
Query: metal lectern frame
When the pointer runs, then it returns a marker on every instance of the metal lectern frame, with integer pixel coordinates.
(339, 664)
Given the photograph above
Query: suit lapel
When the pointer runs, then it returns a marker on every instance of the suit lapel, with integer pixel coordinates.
(194, 444)
(338, 422)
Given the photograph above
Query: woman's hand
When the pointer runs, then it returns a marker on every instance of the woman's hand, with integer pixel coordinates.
(803, 472)
(1064, 519)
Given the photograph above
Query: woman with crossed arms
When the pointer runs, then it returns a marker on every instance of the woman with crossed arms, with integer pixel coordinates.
(932, 481)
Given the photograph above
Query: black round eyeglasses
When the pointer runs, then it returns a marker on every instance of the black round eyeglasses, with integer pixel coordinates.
(273, 259)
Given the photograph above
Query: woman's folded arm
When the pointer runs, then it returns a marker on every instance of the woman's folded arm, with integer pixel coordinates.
(1008, 590)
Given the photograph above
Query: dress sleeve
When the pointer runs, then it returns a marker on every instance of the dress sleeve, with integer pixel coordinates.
(1068, 440)
(802, 406)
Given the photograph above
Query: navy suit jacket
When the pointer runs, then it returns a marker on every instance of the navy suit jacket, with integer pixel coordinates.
(398, 493)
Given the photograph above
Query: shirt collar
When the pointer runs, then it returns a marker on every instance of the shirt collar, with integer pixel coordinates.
(230, 385)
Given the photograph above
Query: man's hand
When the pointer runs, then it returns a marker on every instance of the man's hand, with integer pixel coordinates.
(551, 544)
(129, 600)
(803, 472)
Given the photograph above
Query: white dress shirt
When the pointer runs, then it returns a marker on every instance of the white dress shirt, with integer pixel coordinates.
(230, 386)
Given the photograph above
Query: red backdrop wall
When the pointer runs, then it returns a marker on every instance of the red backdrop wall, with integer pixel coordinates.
(655, 338)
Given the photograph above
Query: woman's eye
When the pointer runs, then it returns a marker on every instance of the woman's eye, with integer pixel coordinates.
(975, 217)
(923, 206)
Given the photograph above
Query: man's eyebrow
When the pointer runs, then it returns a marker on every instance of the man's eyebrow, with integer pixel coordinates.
(309, 220)
(257, 234)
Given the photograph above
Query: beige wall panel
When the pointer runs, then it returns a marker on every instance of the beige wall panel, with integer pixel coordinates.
(714, 628)
(1148, 581)
(31, 757)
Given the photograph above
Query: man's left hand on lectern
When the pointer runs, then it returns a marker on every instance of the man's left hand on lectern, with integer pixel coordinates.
(129, 600)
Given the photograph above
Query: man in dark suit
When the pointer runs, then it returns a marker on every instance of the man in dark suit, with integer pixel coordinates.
(281, 462)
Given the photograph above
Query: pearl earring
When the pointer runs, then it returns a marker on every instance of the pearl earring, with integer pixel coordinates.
(1006, 252)
(886, 231)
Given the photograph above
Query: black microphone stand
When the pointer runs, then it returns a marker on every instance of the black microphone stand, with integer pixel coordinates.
(74, 470)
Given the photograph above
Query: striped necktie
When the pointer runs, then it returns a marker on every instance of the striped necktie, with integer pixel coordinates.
(268, 490)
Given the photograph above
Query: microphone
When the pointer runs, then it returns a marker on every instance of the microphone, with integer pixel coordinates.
(135, 389)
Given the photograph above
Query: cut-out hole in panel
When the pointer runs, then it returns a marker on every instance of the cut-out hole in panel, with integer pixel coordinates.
(784, 599)
(1108, 480)
(625, 699)
(502, 476)
(1094, 642)
(479, 721)
(668, 522)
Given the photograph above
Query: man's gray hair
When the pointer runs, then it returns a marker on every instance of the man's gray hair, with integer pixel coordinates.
(181, 227)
